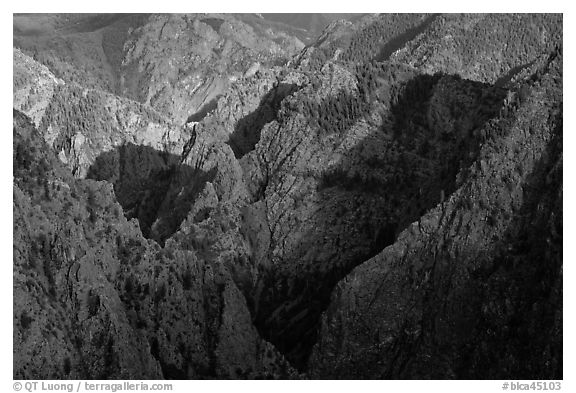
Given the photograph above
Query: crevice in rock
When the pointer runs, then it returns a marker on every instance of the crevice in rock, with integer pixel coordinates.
(247, 131)
(214, 23)
(152, 186)
(370, 197)
(399, 41)
(204, 110)
(505, 79)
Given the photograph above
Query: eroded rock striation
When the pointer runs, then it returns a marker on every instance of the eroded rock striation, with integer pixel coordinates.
(387, 204)
(476, 281)
(95, 299)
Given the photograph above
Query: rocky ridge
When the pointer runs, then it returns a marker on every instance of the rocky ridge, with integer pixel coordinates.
(101, 301)
(178, 64)
(463, 291)
(343, 162)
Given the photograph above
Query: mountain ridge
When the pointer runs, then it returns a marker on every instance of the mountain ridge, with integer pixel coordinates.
(326, 217)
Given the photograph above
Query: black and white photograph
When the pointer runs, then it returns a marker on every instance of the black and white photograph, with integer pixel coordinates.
(288, 196)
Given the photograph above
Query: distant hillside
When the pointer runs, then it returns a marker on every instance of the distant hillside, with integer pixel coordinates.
(211, 196)
(175, 63)
(311, 24)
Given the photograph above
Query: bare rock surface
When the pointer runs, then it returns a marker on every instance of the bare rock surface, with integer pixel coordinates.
(386, 204)
(464, 276)
(101, 301)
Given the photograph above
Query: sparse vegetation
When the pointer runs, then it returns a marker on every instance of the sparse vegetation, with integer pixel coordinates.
(382, 210)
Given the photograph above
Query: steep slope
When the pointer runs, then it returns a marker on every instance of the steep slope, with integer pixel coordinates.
(81, 48)
(289, 177)
(33, 86)
(348, 160)
(371, 37)
(484, 47)
(100, 301)
(335, 163)
(308, 26)
(82, 123)
(175, 63)
(473, 289)
(335, 180)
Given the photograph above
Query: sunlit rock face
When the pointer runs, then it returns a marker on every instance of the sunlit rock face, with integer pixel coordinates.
(201, 196)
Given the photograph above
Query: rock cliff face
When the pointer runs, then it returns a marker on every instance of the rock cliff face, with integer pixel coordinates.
(388, 204)
(34, 86)
(178, 64)
(95, 299)
(509, 43)
(463, 290)
(81, 123)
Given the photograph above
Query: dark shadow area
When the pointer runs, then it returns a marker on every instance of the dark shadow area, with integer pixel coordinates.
(54, 24)
(505, 79)
(336, 114)
(498, 315)
(202, 112)
(386, 182)
(94, 22)
(247, 131)
(152, 186)
(521, 335)
(400, 40)
(214, 23)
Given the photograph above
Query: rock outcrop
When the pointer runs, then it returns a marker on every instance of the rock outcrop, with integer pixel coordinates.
(177, 64)
(94, 299)
(81, 123)
(385, 205)
(472, 289)
(483, 47)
